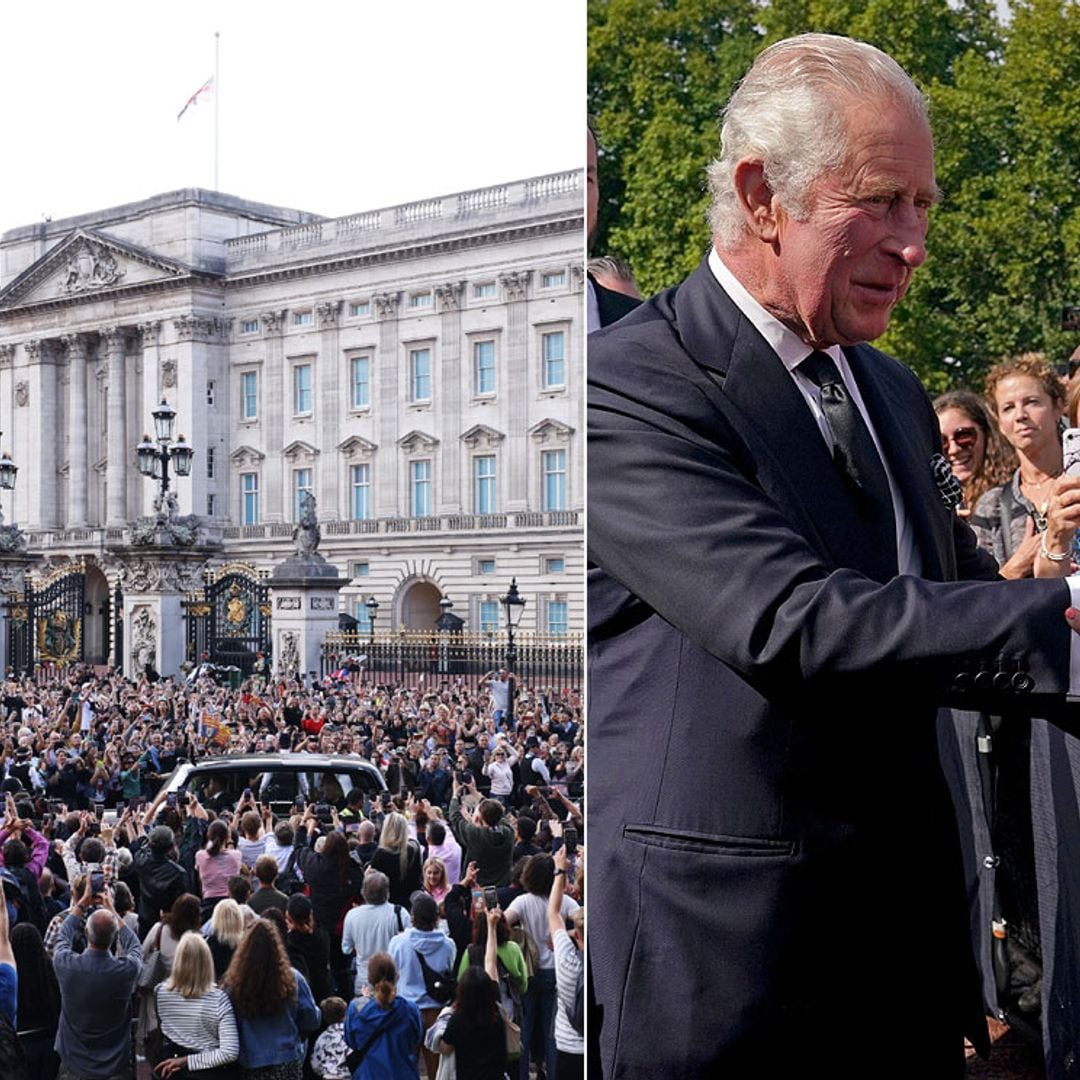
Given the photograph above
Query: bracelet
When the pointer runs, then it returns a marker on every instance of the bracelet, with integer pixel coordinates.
(1050, 555)
(558, 872)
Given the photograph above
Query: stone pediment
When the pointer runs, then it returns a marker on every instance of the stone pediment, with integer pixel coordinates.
(298, 450)
(356, 446)
(482, 435)
(86, 264)
(550, 430)
(417, 440)
(246, 456)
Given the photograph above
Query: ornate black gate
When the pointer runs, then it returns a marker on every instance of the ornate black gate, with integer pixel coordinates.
(45, 625)
(229, 622)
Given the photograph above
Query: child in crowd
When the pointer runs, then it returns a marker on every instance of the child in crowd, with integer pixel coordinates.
(328, 1057)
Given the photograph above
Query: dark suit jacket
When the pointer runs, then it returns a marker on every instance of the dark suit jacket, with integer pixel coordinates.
(774, 876)
(612, 305)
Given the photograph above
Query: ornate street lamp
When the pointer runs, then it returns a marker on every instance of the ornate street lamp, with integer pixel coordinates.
(514, 606)
(372, 606)
(154, 459)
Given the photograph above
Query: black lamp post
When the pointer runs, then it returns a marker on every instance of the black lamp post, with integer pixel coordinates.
(372, 606)
(514, 605)
(154, 460)
(8, 469)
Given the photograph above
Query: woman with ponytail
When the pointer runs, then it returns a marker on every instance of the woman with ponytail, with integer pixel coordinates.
(216, 863)
(385, 1028)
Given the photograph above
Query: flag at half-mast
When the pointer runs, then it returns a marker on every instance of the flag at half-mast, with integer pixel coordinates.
(204, 89)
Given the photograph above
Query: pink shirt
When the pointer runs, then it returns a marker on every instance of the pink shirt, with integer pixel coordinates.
(215, 870)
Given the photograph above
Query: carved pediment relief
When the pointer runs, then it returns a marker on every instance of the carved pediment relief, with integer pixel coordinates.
(87, 263)
(416, 441)
(245, 457)
(357, 448)
(549, 430)
(482, 435)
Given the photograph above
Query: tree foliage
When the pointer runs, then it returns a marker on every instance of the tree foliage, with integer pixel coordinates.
(1005, 104)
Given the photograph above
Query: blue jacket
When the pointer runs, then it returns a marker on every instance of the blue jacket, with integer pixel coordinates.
(439, 951)
(392, 1053)
(274, 1040)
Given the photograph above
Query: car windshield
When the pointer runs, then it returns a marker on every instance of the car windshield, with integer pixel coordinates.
(224, 787)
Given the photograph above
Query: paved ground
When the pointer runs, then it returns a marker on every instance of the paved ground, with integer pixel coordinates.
(1012, 1057)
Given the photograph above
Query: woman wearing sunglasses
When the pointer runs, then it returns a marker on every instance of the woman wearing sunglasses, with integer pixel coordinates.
(980, 458)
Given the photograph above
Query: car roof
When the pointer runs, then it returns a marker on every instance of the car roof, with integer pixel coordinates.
(280, 762)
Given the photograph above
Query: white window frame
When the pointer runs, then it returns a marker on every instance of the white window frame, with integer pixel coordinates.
(355, 571)
(354, 487)
(485, 484)
(421, 508)
(563, 625)
(359, 358)
(485, 290)
(558, 282)
(484, 622)
(298, 488)
(303, 318)
(297, 390)
(414, 352)
(546, 383)
(421, 301)
(249, 326)
(359, 309)
(245, 397)
(479, 391)
(249, 496)
(551, 467)
(210, 463)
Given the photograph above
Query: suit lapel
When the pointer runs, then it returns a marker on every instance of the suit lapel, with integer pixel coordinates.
(888, 401)
(792, 461)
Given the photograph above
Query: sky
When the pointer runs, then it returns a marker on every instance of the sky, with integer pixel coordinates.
(331, 107)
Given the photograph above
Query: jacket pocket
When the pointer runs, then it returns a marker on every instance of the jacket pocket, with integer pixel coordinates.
(709, 843)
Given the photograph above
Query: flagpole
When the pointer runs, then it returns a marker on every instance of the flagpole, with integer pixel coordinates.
(217, 99)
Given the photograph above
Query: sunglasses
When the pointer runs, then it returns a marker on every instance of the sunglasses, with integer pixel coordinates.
(962, 436)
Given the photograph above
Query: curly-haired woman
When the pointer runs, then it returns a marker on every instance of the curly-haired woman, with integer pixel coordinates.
(273, 1004)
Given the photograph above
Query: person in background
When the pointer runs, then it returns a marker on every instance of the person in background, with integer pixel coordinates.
(972, 444)
(273, 1006)
(569, 952)
(196, 1017)
(386, 1026)
(328, 1056)
(39, 1002)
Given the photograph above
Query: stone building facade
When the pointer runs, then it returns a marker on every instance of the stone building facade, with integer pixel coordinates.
(418, 368)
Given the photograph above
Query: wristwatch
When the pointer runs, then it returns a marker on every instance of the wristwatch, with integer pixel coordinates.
(558, 872)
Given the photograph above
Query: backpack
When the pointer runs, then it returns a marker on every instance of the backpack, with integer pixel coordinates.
(524, 941)
(509, 990)
(288, 880)
(441, 986)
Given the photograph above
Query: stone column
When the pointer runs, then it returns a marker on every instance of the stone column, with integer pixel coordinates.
(274, 405)
(388, 365)
(40, 479)
(112, 341)
(329, 409)
(146, 401)
(77, 479)
(449, 496)
(515, 289)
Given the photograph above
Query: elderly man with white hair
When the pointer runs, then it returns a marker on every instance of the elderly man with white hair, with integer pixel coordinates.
(781, 598)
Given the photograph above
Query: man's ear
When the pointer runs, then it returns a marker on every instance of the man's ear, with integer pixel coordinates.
(756, 199)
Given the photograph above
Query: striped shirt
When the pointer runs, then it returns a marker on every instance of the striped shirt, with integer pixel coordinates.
(205, 1024)
(568, 963)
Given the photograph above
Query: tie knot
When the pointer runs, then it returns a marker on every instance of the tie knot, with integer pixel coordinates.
(821, 370)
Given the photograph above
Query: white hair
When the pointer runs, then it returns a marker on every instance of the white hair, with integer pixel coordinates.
(788, 111)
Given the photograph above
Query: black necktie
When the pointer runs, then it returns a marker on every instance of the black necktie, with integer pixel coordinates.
(854, 451)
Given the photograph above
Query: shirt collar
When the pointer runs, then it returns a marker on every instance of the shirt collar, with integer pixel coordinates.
(783, 341)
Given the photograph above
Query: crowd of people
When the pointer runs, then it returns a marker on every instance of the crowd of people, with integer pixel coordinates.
(434, 926)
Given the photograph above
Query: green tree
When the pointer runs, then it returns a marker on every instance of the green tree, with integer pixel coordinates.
(659, 73)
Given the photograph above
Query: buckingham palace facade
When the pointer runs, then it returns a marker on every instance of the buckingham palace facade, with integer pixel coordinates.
(418, 369)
